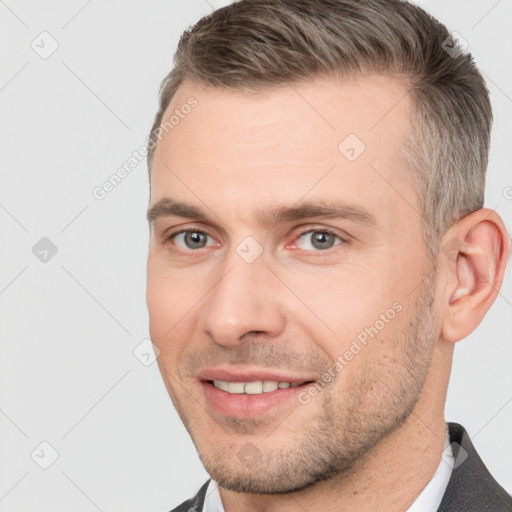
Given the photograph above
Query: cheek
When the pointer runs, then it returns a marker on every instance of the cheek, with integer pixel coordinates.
(353, 314)
(343, 302)
(170, 298)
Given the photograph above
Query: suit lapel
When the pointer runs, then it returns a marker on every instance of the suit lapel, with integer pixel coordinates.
(471, 486)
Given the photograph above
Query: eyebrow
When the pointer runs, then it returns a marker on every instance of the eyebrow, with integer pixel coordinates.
(167, 207)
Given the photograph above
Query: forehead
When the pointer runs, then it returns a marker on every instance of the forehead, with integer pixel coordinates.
(322, 138)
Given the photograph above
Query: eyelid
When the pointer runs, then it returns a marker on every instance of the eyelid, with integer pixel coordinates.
(176, 230)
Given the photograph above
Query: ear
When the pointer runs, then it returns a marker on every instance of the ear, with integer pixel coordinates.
(473, 257)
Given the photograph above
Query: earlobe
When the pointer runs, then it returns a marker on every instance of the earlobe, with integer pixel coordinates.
(476, 255)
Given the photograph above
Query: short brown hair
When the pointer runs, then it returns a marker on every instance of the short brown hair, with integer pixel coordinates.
(256, 44)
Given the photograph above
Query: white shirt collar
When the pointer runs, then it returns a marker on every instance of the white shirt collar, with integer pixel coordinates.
(212, 502)
(429, 499)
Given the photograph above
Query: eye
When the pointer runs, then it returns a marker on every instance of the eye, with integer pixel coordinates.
(317, 240)
(191, 239)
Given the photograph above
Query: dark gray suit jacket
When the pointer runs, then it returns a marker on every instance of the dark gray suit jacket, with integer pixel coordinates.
(471, 487)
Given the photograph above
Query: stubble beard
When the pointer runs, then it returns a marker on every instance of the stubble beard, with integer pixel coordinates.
(373, 405)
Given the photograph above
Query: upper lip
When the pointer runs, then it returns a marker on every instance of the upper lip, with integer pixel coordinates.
(249, 375)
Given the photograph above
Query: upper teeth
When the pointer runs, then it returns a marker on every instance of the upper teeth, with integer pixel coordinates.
(252, 388)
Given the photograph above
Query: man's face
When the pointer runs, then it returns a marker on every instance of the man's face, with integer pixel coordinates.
(236, 296)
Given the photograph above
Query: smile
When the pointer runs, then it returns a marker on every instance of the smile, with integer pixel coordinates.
(253, 398)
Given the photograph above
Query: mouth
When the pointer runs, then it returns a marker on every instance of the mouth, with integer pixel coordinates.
(252, 398)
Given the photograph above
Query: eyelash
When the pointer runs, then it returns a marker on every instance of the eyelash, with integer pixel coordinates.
(343, 240)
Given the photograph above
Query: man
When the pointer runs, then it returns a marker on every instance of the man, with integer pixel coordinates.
(318, 245)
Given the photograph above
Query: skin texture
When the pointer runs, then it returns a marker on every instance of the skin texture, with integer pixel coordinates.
(297, 307)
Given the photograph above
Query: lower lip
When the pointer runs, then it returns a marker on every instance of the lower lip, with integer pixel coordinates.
(246, 406)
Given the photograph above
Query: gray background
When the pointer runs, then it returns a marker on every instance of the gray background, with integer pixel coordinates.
(68, 373)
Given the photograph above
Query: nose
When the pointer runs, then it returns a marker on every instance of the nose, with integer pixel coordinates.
(245, 299)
